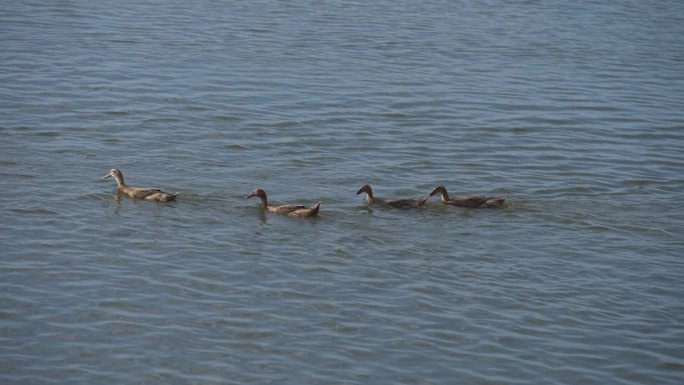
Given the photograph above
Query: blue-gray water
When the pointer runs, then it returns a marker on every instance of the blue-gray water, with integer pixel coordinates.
(574, 110)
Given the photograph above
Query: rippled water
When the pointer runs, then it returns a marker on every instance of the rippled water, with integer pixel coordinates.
(571, 110)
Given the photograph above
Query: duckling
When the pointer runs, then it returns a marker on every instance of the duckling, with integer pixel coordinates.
(472, 201)
(289, 210)
(396, 203)
(152, 194)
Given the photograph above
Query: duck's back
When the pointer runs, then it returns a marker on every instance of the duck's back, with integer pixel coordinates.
(474, 201)
(149, 194)
(306, 211)
(284, 209)
(406, 203)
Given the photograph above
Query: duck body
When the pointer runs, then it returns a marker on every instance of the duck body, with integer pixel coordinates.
(152, 194)
(472, 201)
(396, 203)
(289, 210)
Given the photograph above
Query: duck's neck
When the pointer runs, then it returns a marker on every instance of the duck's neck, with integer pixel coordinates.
(120, 181)
(264, 201)
(369, 196)
(444, 194)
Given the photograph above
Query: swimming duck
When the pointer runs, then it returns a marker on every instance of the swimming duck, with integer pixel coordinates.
(396, 203)
(472, 201)
(289, 210)
(152, 194)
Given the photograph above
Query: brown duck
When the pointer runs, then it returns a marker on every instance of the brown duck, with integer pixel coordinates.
(289, 210)
(396, 203)
(472, 201)
(152, 194)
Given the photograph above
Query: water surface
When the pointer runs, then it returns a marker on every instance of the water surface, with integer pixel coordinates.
(573, 111)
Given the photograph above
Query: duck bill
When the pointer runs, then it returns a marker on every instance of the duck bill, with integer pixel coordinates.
(360, 191)
(252, 194)
(106, 176)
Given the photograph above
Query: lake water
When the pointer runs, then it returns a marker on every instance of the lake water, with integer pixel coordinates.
(573, 110)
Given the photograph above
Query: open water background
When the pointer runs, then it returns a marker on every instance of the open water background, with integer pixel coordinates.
(574, 110)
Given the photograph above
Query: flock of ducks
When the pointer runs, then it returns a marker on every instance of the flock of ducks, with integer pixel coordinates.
(471, 201)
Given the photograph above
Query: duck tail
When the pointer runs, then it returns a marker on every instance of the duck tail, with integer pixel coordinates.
(424, 200)
(496, 202)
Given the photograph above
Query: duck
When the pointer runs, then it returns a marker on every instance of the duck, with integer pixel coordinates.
(472, 201)
(396, 203)
(152, 194)
(289, 210)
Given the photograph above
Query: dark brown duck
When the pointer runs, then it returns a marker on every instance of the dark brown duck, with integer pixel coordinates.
(396, 203)
(289, 210)
(472, 201)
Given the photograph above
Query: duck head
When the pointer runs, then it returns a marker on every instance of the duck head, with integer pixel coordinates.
(114, 172)
(442, 191)
(365, 189)
(257, 193)
(117, 175)
(369, 192)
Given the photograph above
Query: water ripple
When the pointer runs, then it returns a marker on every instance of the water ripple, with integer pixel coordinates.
(577, 279)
